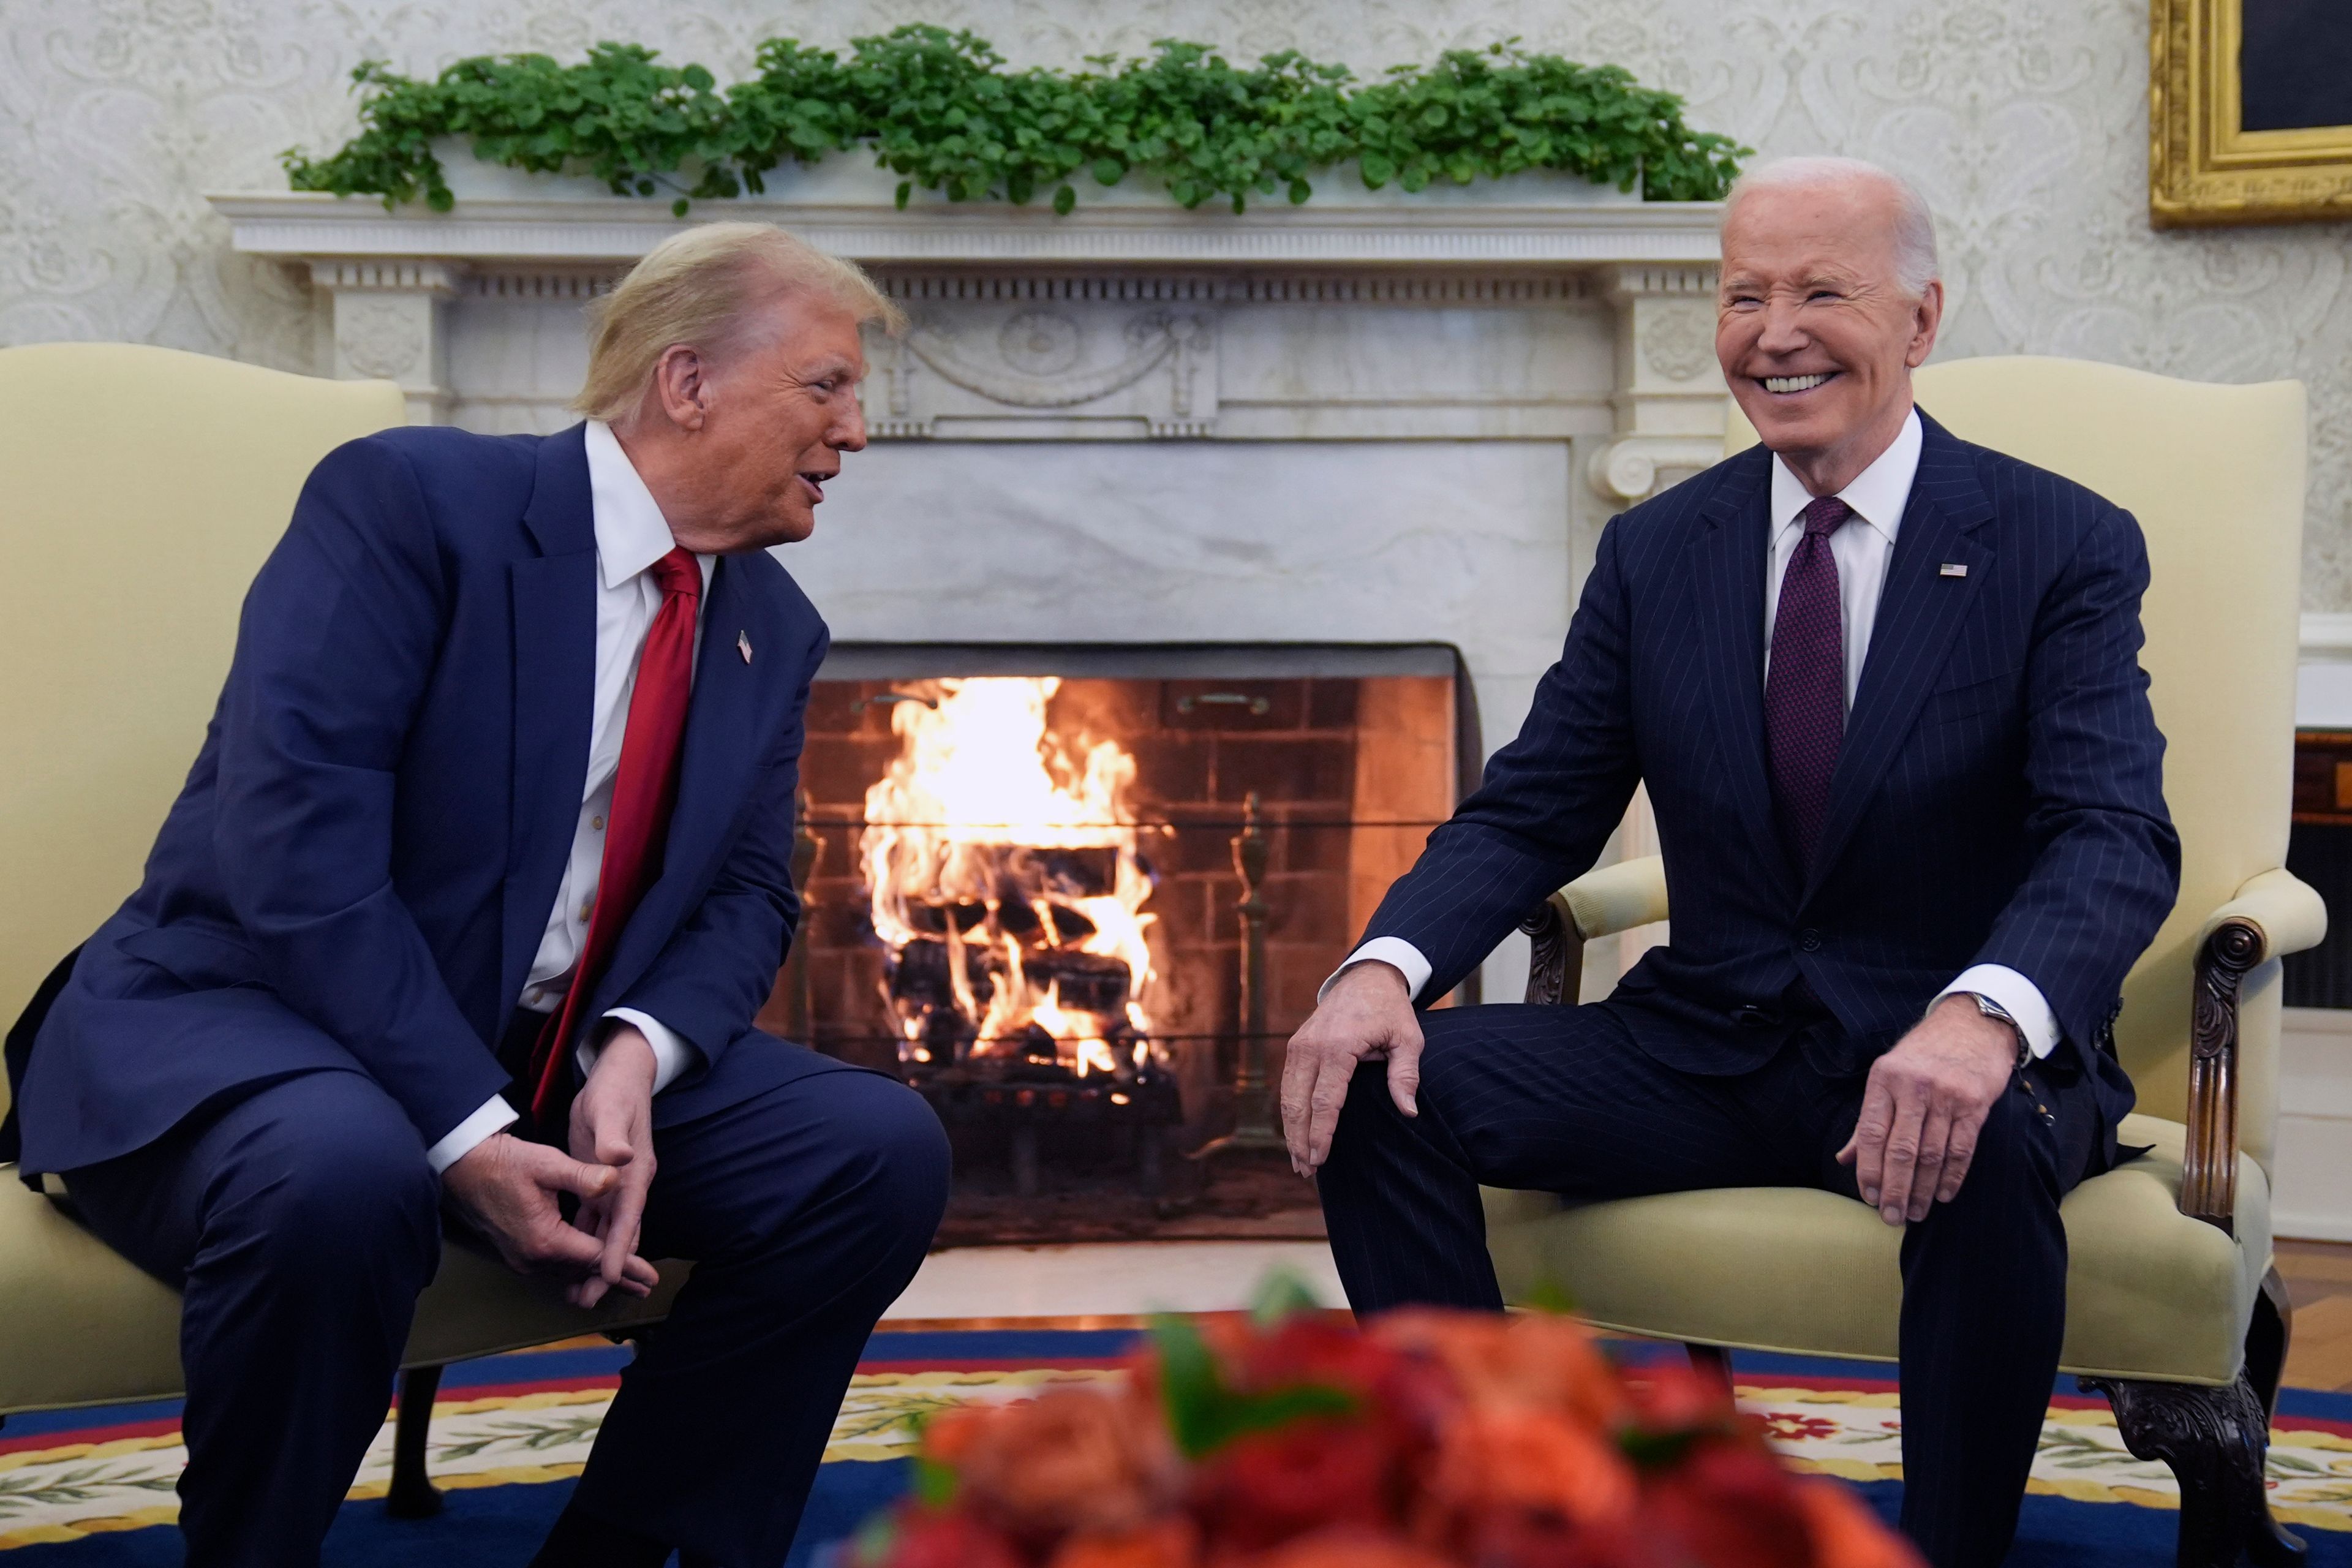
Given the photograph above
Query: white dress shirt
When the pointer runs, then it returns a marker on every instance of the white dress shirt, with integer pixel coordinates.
(1862, 549)
(631, 535)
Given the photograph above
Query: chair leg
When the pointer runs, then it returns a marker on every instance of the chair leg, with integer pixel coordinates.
(2267, 1342)
(2214, 1440)
(1712, 1363)
(412, 1494)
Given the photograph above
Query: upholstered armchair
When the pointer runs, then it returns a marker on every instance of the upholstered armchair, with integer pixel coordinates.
(143, 488)
(2173, 1309)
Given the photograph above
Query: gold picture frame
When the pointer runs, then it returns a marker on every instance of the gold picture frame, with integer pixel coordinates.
(2202, 169)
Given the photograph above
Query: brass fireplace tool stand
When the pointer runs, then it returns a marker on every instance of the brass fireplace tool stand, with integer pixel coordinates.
(1255, 1124)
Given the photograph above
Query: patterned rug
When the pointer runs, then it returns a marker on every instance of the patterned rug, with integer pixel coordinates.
(93, 1489)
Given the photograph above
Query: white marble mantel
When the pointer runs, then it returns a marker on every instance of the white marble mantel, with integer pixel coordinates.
(1369, 419)
(1535, 308)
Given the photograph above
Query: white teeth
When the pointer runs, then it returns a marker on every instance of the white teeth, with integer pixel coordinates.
(1792, 383)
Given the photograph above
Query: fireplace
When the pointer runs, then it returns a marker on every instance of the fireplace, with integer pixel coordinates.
(1361, 421)
(1027, 868)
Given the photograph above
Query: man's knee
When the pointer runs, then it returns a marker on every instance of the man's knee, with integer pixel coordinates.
(334, 1183)
(893, 1155)
(2012, 1170)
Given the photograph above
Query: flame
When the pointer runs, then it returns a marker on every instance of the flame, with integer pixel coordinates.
(959, 855)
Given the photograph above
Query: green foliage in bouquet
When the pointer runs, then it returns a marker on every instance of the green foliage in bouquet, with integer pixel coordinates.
(943, 111)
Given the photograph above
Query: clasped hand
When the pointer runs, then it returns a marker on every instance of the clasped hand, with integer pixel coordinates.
(1925, 1104)
(507, 1187)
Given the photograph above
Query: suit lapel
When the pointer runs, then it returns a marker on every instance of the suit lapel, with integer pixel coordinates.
(1920, 611)
(725, 740)
(1727, 560)
(554, 600)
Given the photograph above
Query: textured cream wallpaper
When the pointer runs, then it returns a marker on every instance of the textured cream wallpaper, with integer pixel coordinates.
(2025, 121)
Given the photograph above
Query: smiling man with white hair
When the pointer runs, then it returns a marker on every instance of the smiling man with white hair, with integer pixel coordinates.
(1882, 686)
(468, 903)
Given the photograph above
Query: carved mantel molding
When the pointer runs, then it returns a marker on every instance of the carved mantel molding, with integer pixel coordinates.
(1568, 316)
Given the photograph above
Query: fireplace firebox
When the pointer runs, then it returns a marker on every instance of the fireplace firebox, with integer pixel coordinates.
(1045, 882)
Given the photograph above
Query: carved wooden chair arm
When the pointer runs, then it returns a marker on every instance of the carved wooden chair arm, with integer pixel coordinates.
(1599, 903)
(2273, 915)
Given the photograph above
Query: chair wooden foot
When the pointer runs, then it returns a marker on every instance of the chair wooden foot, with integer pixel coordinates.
(2214, 1440)
(412, 1494)
(1712, 1363)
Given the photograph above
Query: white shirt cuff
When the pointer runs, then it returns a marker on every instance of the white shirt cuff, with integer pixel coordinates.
(2023, 1000)
(1392, 951)
(495, 1116)
(672, 1054)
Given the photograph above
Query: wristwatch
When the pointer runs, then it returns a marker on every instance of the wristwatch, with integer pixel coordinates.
(1992, 1009)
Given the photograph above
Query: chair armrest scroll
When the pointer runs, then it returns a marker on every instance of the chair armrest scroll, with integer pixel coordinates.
(2274, 914)
(1599, 903)
(2286, 914)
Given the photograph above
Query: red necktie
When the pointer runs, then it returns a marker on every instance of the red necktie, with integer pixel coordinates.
(1804, 695)
(644, 788)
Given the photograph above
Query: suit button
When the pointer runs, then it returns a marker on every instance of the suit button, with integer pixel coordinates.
(1809, 940)
(1752, 1017)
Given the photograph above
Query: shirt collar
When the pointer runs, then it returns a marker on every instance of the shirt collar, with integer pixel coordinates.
(631, 533)
(1878, 494)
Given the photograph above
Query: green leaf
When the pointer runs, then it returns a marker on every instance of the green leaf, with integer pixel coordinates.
(942, 108)
(906, 190)
(1299, 191)
(1204, 1415)
(1064, 199)
(935, 1483)
(677, 207)
(1281, 1293)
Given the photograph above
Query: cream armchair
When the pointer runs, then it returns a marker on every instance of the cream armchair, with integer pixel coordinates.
(2173, 1308)
(143, 488)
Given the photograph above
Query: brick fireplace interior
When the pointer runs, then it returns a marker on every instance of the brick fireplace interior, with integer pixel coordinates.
(1345, 755)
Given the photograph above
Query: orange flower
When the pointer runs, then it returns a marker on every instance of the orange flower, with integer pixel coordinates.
(1846, 1534)
(1535, 1470)
(1530, 1363)
(1071, 1460)
(1727, 1504)
(1348, 1548)
(1171, 1543)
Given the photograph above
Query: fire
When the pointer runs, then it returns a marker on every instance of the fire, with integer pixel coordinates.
(1007, 884)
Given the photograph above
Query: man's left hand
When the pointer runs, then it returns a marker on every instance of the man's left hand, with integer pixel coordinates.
(612, 1124)
(1926, 1100)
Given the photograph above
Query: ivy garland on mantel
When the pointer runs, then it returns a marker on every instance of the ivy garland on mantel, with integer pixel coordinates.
(944, 112)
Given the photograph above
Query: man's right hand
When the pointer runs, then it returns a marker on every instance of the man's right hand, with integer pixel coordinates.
(1366, 1014)
(507, 1186)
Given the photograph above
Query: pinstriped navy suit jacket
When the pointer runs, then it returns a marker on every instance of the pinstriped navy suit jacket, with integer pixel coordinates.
(1999, 798)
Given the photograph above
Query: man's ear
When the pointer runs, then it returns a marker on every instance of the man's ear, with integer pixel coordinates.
(1926, 316)
(682, 386)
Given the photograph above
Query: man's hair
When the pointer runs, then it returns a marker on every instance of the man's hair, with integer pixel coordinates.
(1915, 226)
(703, 287)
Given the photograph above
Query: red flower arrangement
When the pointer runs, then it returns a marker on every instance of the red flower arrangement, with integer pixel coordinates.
(1427, 1440)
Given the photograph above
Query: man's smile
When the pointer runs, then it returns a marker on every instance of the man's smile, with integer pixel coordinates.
(1796, 386)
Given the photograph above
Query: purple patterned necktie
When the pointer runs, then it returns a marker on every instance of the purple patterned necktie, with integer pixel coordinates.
(1804, 694)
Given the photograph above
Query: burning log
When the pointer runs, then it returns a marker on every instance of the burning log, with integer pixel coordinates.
(1008, 884)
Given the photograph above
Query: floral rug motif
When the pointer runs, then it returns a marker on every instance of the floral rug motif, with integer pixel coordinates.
(95, 1477)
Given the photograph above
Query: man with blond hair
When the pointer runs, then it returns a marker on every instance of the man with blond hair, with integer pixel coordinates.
(471, 896)
(1884, 689)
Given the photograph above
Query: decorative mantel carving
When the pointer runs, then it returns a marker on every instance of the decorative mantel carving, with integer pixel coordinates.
(1582, 321)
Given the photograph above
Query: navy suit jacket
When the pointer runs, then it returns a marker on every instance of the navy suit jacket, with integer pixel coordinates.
(1999, 798)
(359, 870)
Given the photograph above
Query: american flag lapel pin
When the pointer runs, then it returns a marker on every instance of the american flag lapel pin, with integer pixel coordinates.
(743, 645)
(1949, 569)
